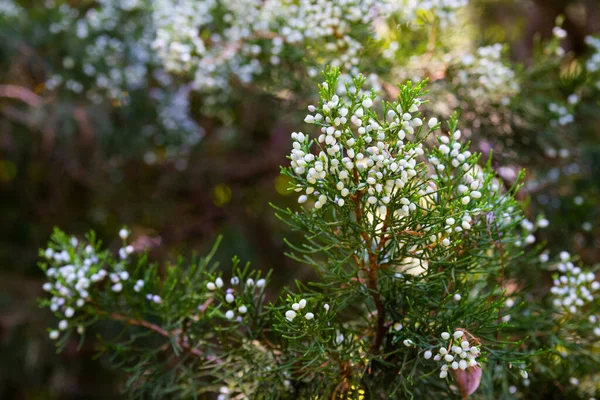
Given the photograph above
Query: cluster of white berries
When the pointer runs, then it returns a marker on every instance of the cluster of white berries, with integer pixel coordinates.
(529, 229)
(9, 9)
(153, 298)
(224, 393)
(484, 76)
(452, 226)
(116, 59)
(211, 41)
(362, 160)
(125, 41)
(452, 159)
(217, 284)
(559, 34)
(551, 152)
(509, 303)
(125, 251)
(117, 279)
(137, 44)
(595, 320)
(174, 114)
(116, 36)
(592, 64)
(139, 285)
(444, 10)
(72, 272)
(251, 37)
(563, 114)
(235, 305)
(346, 82)
(296, 309)
(451, 152)
(459, 353)
(573, 288)
(359, 154)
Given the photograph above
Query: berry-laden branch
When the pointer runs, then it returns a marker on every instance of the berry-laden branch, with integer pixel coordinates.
(154, 328)
(390, 223)
(408, 207)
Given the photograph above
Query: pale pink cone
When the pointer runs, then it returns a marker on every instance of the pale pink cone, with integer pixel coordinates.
(467, 380)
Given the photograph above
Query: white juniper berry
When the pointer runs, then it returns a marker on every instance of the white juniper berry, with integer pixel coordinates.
(297, 310)
(458, 351)
(573, 288)
(559, 32)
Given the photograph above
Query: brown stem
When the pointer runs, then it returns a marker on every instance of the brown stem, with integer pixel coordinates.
(380, 311)
(371, 270)
(490, 219)
(153, 327)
